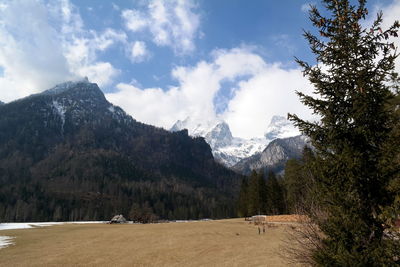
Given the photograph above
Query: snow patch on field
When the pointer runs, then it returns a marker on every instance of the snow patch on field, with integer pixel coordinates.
(14, 226)
(5, 241)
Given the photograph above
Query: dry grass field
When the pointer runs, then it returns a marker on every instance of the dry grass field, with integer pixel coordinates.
(207, 243)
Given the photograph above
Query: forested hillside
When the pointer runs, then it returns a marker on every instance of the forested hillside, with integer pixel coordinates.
(68, 154)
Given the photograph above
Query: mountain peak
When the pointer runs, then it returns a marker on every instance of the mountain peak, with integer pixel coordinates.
(280, 127)
(195, 127)
(179, 125)
(66, 86)
(275, 155)
(219, 136)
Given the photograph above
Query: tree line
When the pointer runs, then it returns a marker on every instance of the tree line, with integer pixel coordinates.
(273, 194)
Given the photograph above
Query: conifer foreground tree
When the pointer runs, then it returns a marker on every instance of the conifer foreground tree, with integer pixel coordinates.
(353, 140)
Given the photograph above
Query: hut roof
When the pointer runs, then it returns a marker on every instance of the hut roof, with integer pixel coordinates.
(118, 219)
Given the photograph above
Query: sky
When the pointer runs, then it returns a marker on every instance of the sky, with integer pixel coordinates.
(166, 60)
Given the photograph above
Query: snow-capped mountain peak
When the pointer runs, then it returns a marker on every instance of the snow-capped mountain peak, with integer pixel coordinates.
(178, 126)
(229, 149)
(194, 127)
(65, 86)
(280, 127)
(219, 136)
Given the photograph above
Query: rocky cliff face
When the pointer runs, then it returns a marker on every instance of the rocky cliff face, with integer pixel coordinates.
(220, 136)
(230, 150)
(226, 149)
(274, 156)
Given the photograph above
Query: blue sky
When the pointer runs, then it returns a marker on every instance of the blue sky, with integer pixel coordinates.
(274, 28)
(161, 61)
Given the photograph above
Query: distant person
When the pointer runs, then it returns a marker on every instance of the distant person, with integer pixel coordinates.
(263, 228)
(259, 230)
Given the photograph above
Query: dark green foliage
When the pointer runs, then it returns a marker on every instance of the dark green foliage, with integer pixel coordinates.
(294, 184)
(260, 196)
(352, 175)
(243, 200)
(275, 192)
(257, 194)
(298, 182)
(96, 161)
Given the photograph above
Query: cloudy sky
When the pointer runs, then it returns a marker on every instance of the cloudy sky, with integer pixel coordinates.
(166, 60)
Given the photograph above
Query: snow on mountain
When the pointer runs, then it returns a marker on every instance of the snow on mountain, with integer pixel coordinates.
(280, 127)
(62, 87)
(230, 150)
(275, 155)
(60, 109)
(220, 136)
(239, 149)
(194, 127)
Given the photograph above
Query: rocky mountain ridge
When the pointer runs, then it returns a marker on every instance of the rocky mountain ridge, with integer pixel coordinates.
(274, 156)
(230, 150)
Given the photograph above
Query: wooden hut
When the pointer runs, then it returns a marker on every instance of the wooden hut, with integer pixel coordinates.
(118, 219)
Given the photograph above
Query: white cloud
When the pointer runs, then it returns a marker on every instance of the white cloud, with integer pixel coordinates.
(26, 38)
(390, 15)
(171, 23)
(42, 44)
(270, 92)
(134, 20)
(139, 51)
(101, 72)
(107, 38)
(262, 90)
(81, 45)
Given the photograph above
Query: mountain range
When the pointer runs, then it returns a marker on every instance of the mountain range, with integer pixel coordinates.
(69, 154)
(231, 150)
(274, 156)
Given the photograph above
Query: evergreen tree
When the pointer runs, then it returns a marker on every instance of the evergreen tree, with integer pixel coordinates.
(243, 201)
(275, 202)
(254, 204)
(294, 184)
(298, 182)
(263, 192)
(352, 180)
(391, 163)
(253, 196)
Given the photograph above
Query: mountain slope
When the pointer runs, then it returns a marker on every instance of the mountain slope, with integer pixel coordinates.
(68, 154)
(274, 156)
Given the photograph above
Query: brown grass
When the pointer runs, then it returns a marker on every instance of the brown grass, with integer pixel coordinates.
(287, 218)
(209, 243)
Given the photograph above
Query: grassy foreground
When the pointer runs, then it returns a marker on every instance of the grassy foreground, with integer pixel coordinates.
(209, 243)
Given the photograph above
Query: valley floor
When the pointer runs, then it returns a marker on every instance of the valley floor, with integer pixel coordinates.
(232, 242)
